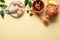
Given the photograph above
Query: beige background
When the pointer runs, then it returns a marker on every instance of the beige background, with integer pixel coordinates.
(28, 28)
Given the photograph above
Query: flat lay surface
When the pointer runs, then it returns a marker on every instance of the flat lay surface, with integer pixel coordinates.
(28, 27)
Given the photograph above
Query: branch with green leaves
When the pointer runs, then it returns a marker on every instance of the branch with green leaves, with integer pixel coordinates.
(28, 2)
(3, 6)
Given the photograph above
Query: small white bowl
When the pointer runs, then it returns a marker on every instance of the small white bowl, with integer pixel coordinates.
(14, 13)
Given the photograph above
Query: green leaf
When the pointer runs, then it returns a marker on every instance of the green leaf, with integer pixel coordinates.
(30, 4)
(26, 2)
(2, 13)
(2, 1)
(7, 11)
(3, 6)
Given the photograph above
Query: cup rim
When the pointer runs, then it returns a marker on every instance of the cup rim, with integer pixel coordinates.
(37, 10)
